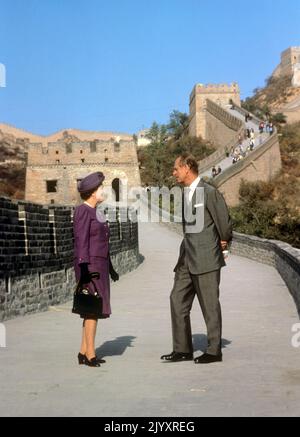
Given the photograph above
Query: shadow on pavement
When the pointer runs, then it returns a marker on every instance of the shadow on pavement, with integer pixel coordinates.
(115, 347)
(200, 342)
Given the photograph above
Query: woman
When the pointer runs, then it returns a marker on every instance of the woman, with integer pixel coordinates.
(91, 254)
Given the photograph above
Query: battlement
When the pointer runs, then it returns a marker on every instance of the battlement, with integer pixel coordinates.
(222, 88)
(290, 52)
(77, 152)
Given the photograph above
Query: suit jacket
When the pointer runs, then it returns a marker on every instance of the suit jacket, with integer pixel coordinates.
(202, 250)
(91, 236)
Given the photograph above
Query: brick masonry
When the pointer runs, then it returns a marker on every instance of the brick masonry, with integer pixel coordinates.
(36, 254)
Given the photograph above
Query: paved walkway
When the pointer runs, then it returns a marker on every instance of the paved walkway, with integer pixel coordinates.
(260, 375)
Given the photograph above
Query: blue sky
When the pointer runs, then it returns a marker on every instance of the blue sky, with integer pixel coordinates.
(118, 65)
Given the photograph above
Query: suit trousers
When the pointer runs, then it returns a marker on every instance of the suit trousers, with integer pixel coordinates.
(206, 287)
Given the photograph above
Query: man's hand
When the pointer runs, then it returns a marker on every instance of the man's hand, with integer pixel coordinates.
(223, 244)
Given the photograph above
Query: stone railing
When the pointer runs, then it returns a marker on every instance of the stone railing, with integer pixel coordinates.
(282, 256)
(224, 116)
(243, 111)
(36, 254)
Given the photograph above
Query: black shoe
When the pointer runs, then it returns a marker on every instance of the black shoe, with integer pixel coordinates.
(81, 358)
(208, 358)
(173, 357)
(93, 362)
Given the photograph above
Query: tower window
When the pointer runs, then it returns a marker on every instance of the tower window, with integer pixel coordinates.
(117, 147)
(68, 148)
(82, 160)
(106, 159)
(51, 186)
(57, 152)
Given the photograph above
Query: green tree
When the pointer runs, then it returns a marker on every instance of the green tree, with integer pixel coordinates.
(178, 125)
(167, 142)
(158, 134)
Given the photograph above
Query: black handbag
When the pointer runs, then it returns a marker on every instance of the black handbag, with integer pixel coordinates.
(86, 298)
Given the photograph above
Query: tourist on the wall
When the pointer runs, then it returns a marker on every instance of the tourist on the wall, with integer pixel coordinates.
(213, 171)
(271, 128)
(261, 127)
(91, 254)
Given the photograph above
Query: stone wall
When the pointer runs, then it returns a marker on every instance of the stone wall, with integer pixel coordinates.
(282, 256)
(36, 254)
(67, 177)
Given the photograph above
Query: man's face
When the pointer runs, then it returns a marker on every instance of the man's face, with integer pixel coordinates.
(180, 171)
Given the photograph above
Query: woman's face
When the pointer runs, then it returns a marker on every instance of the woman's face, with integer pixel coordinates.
(99, 194)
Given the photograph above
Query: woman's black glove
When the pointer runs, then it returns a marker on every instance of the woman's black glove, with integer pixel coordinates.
(113, 274)
(85, 276)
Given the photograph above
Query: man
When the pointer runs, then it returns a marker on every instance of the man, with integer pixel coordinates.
(198, 269)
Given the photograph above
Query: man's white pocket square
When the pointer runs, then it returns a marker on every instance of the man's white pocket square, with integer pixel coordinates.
(197, 205)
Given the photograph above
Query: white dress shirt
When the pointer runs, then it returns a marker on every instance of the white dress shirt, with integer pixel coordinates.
(192, 187)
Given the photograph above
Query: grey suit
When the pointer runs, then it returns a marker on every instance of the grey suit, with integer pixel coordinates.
(198, 272)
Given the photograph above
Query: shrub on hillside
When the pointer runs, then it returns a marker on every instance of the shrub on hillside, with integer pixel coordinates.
(266, 213)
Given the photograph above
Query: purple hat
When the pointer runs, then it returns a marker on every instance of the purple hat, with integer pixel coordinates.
(93, 180)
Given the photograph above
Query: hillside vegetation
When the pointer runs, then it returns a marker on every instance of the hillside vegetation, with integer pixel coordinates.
(267, 100)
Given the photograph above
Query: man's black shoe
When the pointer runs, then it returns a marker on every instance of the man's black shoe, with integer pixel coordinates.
(208, 358)
(173, 357)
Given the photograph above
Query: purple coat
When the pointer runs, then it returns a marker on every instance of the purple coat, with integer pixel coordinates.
(91, 245)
